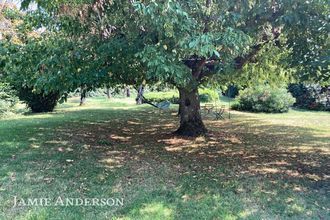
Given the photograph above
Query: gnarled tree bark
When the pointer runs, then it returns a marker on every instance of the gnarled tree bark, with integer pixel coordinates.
(191, 123)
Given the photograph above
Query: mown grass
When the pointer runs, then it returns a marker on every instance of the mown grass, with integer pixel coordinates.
(254, 166)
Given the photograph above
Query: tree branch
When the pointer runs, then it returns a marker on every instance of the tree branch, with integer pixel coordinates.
(242, 60)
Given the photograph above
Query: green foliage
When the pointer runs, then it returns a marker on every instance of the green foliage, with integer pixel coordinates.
(313, 97)
(9, 21)
(11, 13)
(208, 95)
(264, 98)
(8, 99)
(4, 107)
(309, 39)
(175, 33)
(52, 64)
(38, 101)
(269, 66)
(171, 96)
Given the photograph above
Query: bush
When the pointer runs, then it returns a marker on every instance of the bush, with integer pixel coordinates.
(208, 95)
(264, 99)
(171, 96)
(205, 95)
(38, 102)
(8, 99)
(4, 107)
(313, 97)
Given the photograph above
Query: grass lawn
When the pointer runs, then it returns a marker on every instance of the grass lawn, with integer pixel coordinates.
(254, 166)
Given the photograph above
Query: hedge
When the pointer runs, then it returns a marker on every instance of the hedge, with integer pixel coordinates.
(205, 95)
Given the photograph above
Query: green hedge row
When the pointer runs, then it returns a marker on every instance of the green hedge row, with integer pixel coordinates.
(171, 96)
(205, 95)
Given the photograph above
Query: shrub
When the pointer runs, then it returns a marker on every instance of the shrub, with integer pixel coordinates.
(4, 107)
(205, 95)
(208, 95)
(38, 102)
(264, 99)
(171, 96)
(8, 99)
(313, 97)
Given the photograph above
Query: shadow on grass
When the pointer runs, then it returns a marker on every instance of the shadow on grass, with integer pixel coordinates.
(244, 168)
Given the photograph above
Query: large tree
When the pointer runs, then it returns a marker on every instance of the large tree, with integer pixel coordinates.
(190, 43)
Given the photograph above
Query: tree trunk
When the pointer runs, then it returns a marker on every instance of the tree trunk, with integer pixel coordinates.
(82, 95)
(128, 92)
(191, 123)
(139, 98)
(179, 110)
(108, 93)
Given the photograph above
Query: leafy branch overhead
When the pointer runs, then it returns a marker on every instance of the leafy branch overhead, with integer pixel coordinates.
(173, 38)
